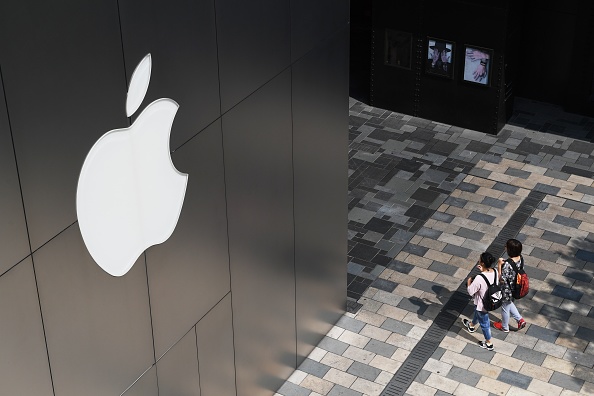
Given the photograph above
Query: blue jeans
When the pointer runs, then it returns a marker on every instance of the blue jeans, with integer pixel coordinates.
(482, 318)
(506, 308)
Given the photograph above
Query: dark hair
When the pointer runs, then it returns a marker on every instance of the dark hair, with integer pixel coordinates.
(514, 248)
(487, 259)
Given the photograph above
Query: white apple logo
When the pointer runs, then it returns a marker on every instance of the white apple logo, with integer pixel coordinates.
(129, 194)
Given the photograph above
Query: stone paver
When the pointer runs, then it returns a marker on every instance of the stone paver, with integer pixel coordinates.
(424, 200)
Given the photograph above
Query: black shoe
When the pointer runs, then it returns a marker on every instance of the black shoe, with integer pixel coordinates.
(468, 326)
(484, 345)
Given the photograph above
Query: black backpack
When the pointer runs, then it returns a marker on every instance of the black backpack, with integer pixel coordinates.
(494, 296)
(521, 284)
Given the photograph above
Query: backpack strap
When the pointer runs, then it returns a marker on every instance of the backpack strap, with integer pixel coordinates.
(514, 265)
(485, 278)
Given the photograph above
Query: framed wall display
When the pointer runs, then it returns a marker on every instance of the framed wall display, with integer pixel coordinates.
(440, 57)
(398, 49)
(477, 64)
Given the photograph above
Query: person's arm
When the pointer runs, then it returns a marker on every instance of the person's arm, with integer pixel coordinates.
(473, 285)
(500, 267)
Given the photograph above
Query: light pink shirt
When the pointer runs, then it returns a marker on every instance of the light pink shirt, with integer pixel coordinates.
(478, 288)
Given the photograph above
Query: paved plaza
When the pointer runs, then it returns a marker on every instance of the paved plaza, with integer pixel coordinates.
(425, 199)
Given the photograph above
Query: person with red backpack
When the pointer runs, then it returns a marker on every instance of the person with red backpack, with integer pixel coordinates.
(478, 287)
(509, 270)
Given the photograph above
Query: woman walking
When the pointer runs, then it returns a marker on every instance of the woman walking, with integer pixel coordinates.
(477, 287)
(508, 276)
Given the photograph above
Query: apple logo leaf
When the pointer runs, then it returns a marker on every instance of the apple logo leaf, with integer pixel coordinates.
(139, 84)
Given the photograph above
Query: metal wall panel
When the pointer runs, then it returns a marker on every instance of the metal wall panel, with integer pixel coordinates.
(181, 36)
(189, 273)
(215, 351)
(146, 385)
(320, 139)
(314, 20)
(14, 244)
(178, 368)
(24, 369)
(65, 87)
(98, 327)
(254, 45)
(258, 169)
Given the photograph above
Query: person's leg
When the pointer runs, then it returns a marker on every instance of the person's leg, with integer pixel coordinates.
(483, 318)
(475, 317)
(505, 314)
(513, 310)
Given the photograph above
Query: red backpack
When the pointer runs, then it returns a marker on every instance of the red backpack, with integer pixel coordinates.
(520, 285)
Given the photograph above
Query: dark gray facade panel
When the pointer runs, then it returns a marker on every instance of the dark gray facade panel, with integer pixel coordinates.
(181, 37)
(214, 335)
(146, 385)
(178, 368)
(254, 45)
(14, 244)
(258, 169)
(314, 20)
(98, 327)
(320, 139)
(189, 273)
(65, 87)
(24, 369)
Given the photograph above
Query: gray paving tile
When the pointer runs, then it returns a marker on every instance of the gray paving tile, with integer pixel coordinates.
(544, 255)
(585, 333)
(470, 234)
(364, 371)
(430, 287)
(415, 249)
(545, 188)
(554, 312)
(314, 368)
(458, 251)
(482, 218)
(438, 353)
(517, 173)
(585, 255)
(380, 348)
(333, 345)
(582, 207)
(554, 237)
(566, 293)
(476, 352)
(577, 357)
(464, 376)
(529, 355)
(413, 304)
(457, 202)
(566, 381)
(351, 324)
(422, 376)
(535, 273)
(469, 187)
(578, 275)
(290, 389)
(542, 333)
(508, 188)
(567, 221)
(515, 379)
(384, 284)
(443, 217)
(354, 268)
(429, 233)
(400, 266)
(339, 390)
(584, 189)
(441, 268)
(496, 203)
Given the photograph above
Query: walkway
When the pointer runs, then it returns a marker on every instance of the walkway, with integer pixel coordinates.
(424, 200)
